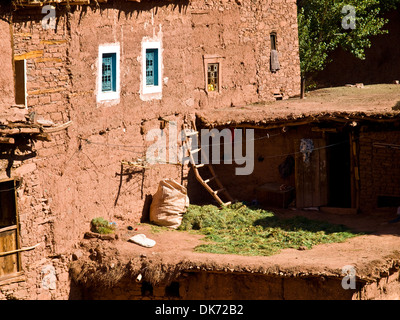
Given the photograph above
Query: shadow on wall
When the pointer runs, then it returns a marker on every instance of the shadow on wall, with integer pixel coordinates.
(197, 194)
(380, 66)
(130, 9)
(133, 9)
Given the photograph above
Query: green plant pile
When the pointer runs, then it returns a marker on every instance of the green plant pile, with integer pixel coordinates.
(243, 230)
(102, 226)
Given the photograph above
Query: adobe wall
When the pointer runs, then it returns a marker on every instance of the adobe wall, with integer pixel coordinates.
(379, 168)
(77, 176)
(224, 286)
(6, 76)
(271, 148)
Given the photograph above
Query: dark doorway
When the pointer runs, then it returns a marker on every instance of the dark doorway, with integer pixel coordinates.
(338, 167)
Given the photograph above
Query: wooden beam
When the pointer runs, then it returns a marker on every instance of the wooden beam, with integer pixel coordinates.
(13, 131)
(2, 254)
(12, 278)
(29, 55)
(386, 145)
(30, 3)
(13, 227)
(57, 128)
(7, 140)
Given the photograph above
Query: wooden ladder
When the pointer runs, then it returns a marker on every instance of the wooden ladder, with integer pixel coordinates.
(188, 134)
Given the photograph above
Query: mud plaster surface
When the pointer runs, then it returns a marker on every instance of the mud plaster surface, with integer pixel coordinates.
(372, 254)
(366, 101)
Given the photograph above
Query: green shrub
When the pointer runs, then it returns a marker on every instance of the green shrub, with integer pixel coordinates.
(100, 225)
(243, 230)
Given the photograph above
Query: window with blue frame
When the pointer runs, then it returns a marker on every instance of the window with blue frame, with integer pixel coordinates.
(151, 67)
(109, 72)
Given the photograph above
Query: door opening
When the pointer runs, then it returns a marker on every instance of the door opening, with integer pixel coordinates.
(339, 171)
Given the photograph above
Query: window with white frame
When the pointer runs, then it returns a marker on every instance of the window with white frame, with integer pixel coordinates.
(108, 72)
(151, 67)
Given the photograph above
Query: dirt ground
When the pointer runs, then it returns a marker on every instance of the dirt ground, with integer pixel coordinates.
(362, 101)
(372, 254)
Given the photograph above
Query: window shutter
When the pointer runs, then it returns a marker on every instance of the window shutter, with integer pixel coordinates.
(152, 67)
(108, 72)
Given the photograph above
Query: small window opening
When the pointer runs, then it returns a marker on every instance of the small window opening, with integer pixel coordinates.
(212, 76)
(274, 61)
(273, 40)
(20, 82)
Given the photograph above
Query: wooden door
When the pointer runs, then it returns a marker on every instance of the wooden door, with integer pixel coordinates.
(9, 263)
(311, 176)
(9, 234)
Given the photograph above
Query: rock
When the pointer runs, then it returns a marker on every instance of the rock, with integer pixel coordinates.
(77, 255)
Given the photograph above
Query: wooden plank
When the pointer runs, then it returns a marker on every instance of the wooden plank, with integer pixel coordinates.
(48, 59)
(8, 228)
(315, 162)
(308, 182)
(6, 253)
(20, 81)
(20, 131)
(44, 91)
(7, 140)
(52, 42)
(9, 263)
(323, 174)
(29, 55)
(298, 175)
(57, 128)
(311, 178)
(12, 278)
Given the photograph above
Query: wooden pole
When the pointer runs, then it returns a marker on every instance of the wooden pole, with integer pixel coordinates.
(18, 250)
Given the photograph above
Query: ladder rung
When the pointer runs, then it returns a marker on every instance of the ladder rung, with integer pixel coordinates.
(195, 150)
(211, 179)
(190, 133)
(200, 165)
(218, 191)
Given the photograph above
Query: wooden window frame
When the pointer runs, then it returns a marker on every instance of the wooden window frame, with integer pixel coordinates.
(112, 70)
(20, 81)
(273, 38)
(154, 64)
(115, 93)
(213, 59)
(19, 274)
(157, 86)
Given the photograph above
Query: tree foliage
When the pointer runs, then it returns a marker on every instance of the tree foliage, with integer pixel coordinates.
(321, 30)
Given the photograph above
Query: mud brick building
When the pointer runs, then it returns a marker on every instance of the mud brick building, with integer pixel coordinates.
(83, 82)
(354, 166)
